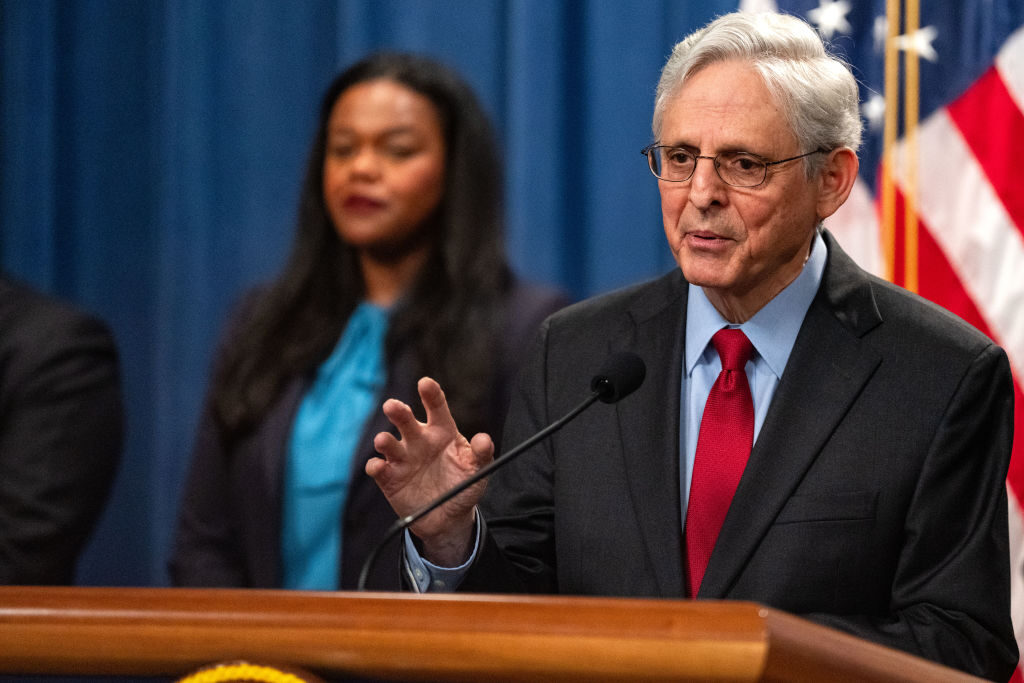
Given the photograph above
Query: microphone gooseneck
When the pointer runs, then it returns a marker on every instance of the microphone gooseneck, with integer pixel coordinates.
(620, 375)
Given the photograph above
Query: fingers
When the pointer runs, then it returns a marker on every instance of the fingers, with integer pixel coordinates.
(375, 467)
(400, 415)
(418, 442)
(387, 445)
(483, 449)
(435, 404)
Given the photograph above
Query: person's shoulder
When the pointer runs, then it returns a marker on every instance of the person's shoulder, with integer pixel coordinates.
(636, 300)
(526, 297)
(921, 321)
(896, 316)
(40, 331)
(31, 318)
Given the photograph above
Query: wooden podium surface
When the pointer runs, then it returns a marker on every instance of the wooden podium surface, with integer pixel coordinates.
(160, 631)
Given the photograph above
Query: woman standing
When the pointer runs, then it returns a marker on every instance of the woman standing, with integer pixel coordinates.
(398, 270)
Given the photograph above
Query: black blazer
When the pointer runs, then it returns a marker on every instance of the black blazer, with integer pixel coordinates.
(60, 433)
(229, 525)
(874, 499)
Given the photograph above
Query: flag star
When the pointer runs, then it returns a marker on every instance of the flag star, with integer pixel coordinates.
(830, 16)
(920, 41)
(881, 28)
(874, 111)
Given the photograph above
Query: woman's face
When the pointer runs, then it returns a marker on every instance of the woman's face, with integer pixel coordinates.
(384, 166)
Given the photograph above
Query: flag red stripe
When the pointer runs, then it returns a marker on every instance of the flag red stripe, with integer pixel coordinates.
(943, 287)
(993, 127)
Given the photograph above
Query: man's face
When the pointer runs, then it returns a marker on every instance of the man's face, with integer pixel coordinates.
(742, 245)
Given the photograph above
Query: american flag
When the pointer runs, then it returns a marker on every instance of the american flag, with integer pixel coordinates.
(939, 205)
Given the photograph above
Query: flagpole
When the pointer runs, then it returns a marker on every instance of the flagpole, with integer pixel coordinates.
(888, 188)
(889, 139)
(911, 102)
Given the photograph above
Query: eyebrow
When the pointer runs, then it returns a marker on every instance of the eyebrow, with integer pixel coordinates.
(680, 145)
(387, 132)
(726, 150)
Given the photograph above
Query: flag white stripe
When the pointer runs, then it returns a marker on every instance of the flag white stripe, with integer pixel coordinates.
(966, 218)
(1010, 64)
(855, 225)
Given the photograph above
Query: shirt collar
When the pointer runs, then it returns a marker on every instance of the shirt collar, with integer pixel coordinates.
(773, 329)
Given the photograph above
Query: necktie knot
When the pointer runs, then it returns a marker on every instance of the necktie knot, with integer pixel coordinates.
(733, 348)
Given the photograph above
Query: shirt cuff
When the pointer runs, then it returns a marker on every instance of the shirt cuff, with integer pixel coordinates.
(427, 577)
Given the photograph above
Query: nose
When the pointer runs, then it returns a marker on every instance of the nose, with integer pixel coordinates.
(366, 162)
(706, 186)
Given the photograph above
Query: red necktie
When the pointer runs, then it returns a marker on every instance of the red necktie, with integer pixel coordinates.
(723, 446)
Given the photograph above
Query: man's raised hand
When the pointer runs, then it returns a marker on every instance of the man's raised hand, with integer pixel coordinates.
(428, 460)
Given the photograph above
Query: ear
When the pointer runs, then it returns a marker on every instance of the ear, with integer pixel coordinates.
(836, 180)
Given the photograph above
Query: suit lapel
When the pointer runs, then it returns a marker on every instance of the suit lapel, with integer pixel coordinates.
(826, 370)
(400, 384)
(275, 433)
(649, 427)
(263, 458)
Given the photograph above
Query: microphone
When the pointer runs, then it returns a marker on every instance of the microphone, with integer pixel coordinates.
(621, 374)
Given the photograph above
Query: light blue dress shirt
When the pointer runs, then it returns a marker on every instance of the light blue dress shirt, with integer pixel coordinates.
(324, 438)
(772, 331)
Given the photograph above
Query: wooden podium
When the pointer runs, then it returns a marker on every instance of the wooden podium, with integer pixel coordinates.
(171, 632)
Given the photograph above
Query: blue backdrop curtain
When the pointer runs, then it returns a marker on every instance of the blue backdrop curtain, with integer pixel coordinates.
(151, 154)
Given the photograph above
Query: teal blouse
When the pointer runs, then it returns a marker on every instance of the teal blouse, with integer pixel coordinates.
(324, 438)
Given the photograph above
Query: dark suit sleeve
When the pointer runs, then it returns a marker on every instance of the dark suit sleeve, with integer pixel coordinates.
(60, 441)
(517, 550)
(206, 550)
(522, 356)
(951, 591)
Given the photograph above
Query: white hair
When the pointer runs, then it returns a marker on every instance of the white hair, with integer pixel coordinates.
(816, 90)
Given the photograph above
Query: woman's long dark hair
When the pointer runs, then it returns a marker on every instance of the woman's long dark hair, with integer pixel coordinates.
(448, 313)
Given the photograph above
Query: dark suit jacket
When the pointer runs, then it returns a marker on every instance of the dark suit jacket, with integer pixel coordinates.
(60, 433)
(874, 499)
(229, 526)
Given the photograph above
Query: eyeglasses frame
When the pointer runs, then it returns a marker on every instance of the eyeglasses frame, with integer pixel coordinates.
(646, 151)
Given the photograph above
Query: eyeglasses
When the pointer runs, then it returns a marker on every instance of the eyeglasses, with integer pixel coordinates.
(739, 169)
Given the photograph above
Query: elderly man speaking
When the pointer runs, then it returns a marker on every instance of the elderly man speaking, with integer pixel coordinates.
(809, 437)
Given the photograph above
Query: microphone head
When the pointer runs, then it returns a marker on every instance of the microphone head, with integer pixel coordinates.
(622, 373)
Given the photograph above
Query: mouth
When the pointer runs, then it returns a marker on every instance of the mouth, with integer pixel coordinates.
(363, 203)
(706, 237)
